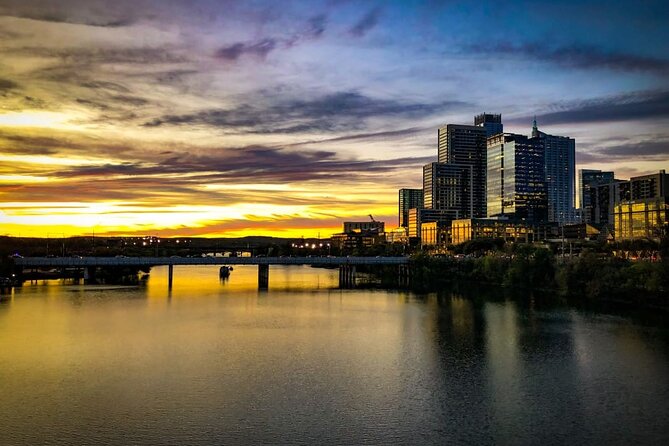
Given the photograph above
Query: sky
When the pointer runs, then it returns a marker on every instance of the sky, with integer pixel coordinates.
(286, 118)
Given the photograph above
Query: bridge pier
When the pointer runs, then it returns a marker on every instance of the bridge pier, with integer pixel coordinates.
(18, 275)
(346, 276)
(89, 274)
(170, 275)
(263, 277)
(403, 275)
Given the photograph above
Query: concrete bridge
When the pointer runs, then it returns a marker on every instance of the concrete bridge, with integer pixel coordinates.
(347, 265)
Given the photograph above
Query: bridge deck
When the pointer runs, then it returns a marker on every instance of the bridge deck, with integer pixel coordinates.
(155, 261)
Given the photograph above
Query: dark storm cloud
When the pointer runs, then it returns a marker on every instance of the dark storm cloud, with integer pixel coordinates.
(626, 107)
(366, 23)
(332, 112)
(262, 47)
(577, 56)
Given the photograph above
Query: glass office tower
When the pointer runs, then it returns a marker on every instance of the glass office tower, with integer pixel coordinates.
(516, 182)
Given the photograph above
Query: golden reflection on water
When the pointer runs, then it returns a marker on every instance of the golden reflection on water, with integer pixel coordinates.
(223, 357)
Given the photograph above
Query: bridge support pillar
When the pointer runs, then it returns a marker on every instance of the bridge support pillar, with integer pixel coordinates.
(89, 274)
(403, 275)
(170, 275)
(263, 277)
(346, 276)
(18, 275)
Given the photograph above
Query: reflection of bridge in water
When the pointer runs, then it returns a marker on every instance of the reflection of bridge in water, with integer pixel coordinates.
(347, 265)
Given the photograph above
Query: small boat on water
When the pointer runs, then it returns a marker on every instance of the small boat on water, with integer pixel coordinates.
(225, 271)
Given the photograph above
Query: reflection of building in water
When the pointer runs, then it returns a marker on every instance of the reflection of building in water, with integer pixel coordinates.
(504, 366)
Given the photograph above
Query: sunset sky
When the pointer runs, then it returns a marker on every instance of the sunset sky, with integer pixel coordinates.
(232, 118)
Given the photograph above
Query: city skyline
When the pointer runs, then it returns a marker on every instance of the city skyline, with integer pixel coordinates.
(230, 119)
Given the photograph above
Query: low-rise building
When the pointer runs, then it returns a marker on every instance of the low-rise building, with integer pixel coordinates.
(397, 235)
(475, 228)
(362, 226)
(645, 213)
(435, 234)
(419, 216)
(356, 240)
(645, 218)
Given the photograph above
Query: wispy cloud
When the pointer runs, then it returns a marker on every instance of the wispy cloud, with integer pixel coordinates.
(626, 107)
(333, 112)
(262, 47)
(647, 150)
(366, 23)
(75, 12)
(576, 56)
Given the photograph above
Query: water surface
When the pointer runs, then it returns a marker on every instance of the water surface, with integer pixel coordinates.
(213, 362)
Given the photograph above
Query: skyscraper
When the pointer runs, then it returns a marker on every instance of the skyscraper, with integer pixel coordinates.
(491, 123)
(588, 178)
(448, 187)
(516, 185)
(466, 145)
(589, 181)
(560, 168)
(602, 199)
(409, 199)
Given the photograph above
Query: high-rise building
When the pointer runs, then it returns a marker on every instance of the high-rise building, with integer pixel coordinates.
(602, 199)
(448, 187)
(491, 123)
(466, 145)
(588, 179)
(408, 199)
(649, 186)
(516, 185)
(560, 167)
(588, 201)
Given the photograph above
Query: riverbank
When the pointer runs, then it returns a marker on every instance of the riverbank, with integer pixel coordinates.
(589, 276)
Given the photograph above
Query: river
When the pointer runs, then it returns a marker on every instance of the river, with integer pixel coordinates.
(211, 362)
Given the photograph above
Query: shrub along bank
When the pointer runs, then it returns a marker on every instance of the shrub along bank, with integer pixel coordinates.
(589, 275)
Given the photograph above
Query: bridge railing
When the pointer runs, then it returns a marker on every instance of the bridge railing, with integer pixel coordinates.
(156, 261)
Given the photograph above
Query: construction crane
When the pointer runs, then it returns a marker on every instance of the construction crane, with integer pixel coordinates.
(370, 216)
